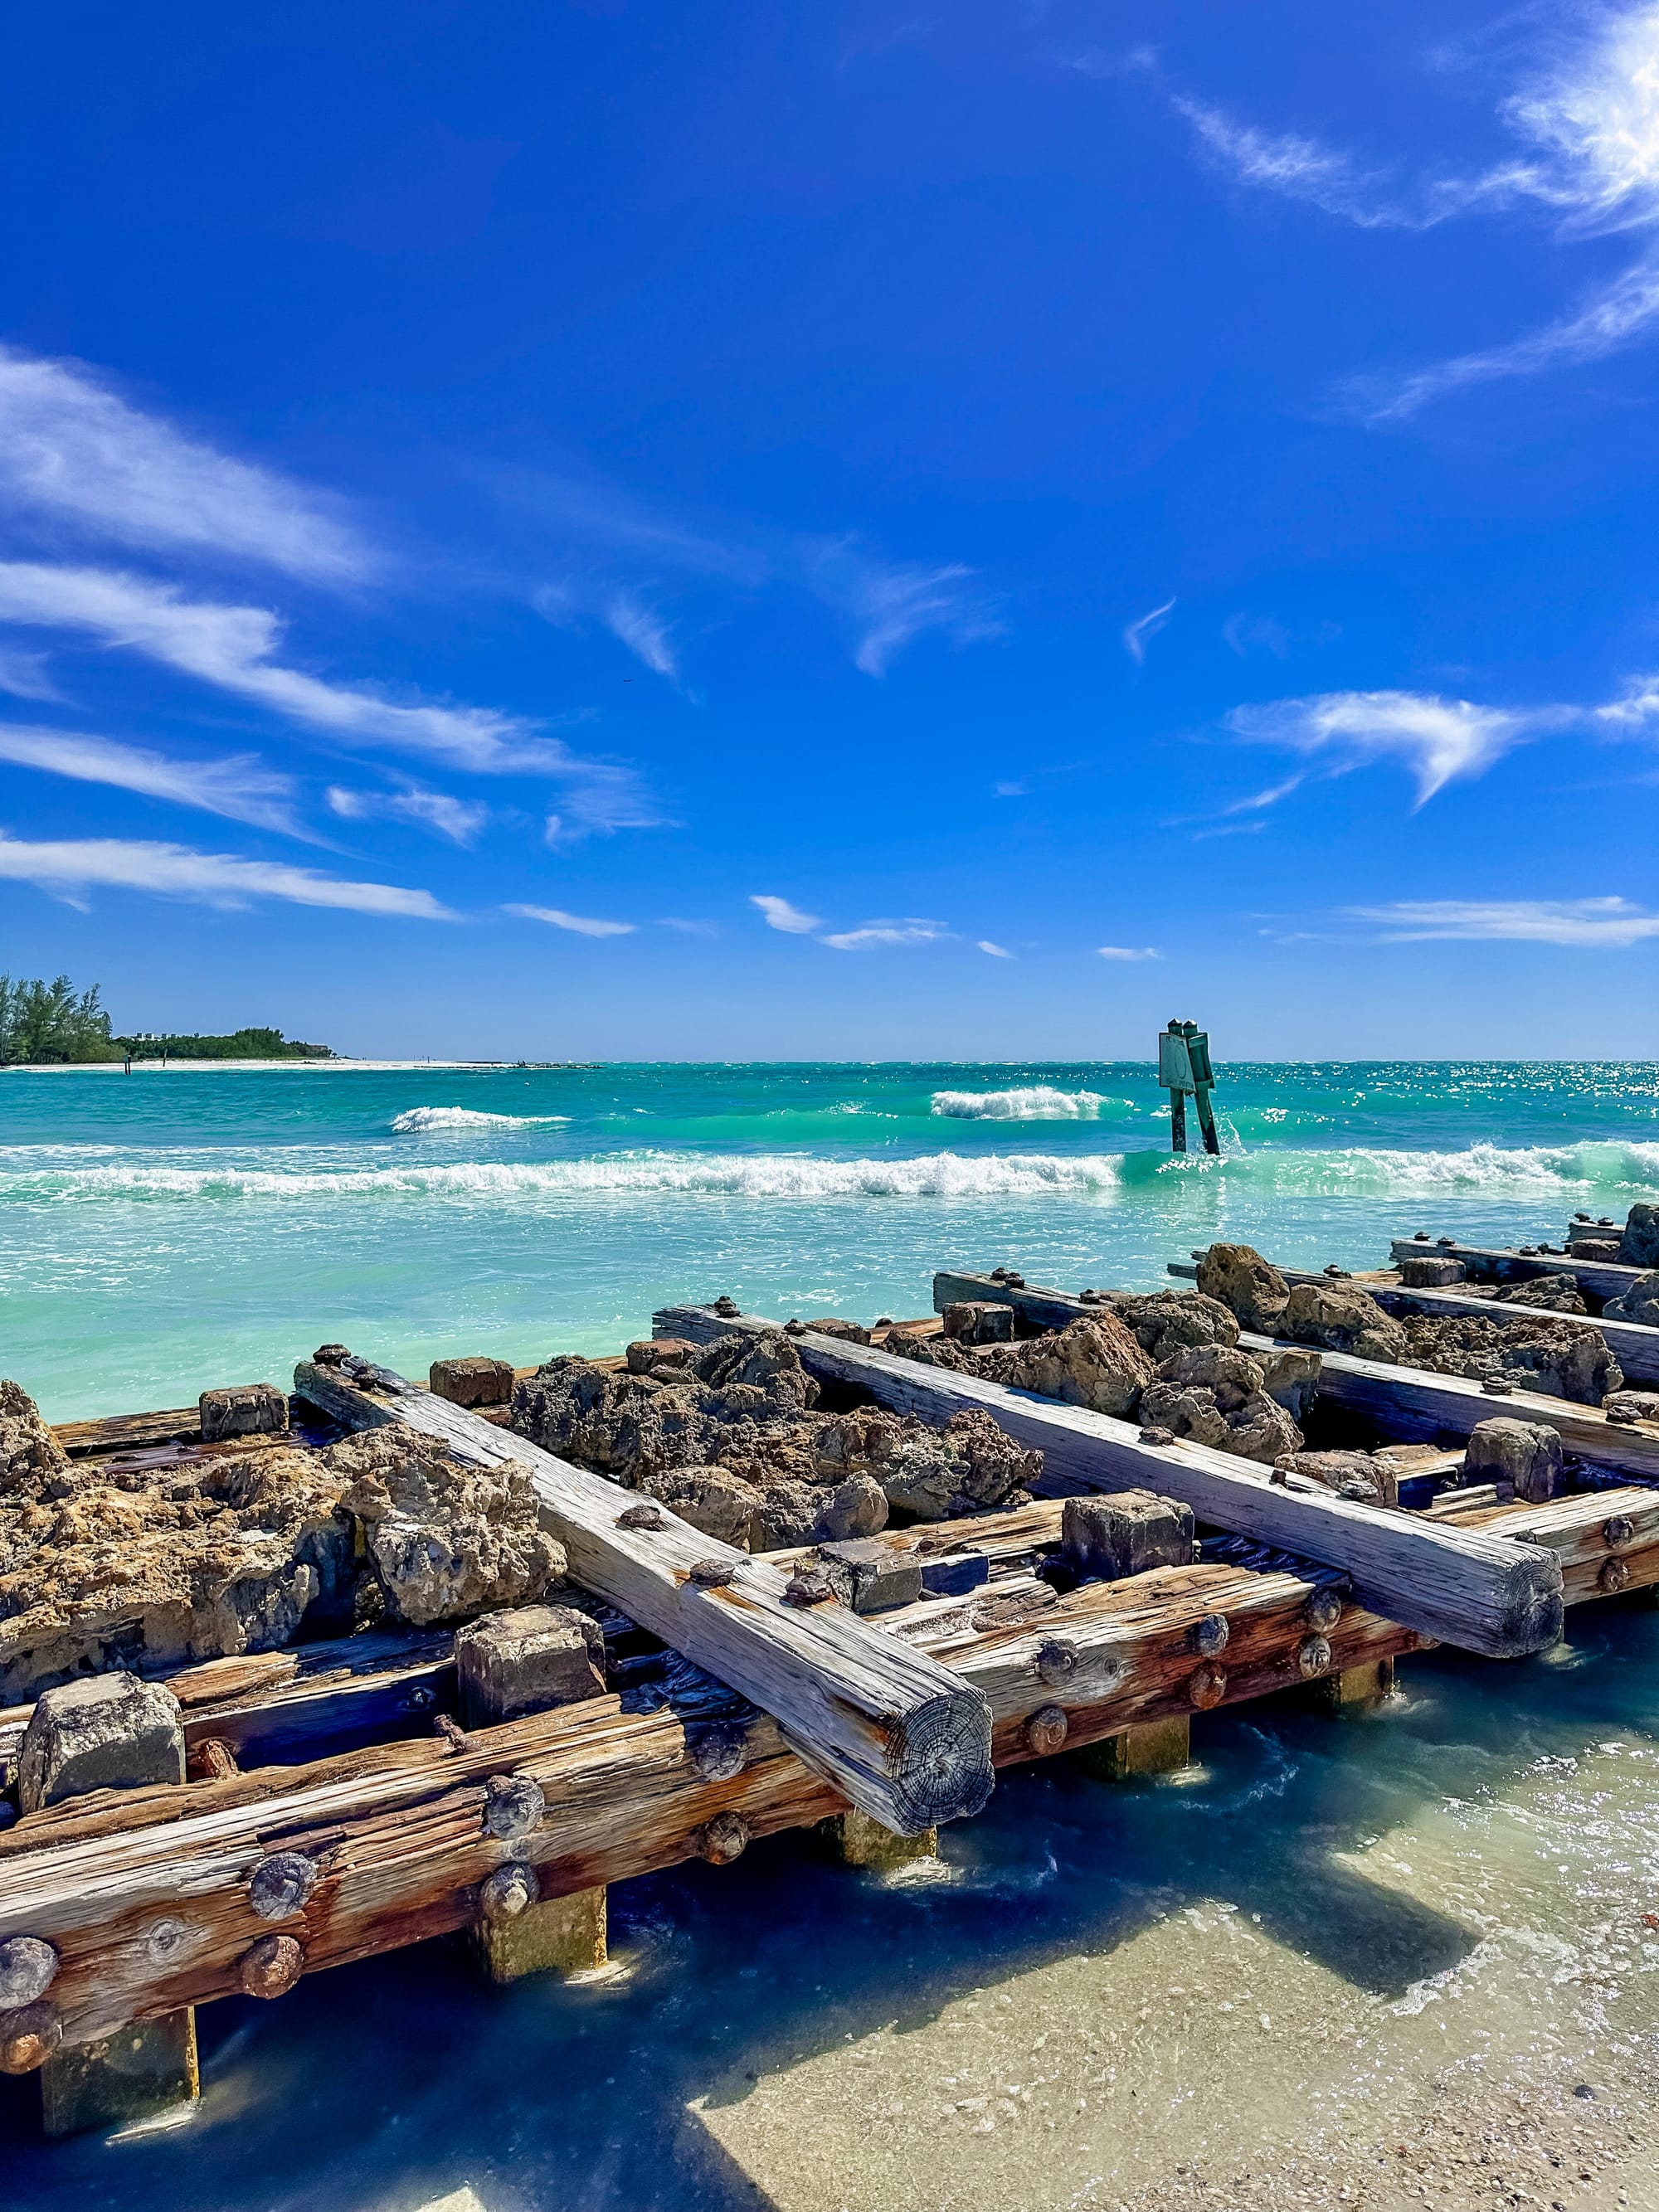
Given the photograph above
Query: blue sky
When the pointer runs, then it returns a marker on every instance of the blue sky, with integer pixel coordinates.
(620, 531)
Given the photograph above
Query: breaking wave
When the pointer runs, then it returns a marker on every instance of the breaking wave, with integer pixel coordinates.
(421, 1121)
(1036, 1101)
(1539, 1173)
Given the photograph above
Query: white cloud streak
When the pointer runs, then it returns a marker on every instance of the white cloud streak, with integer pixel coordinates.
(584, 925)
(459, 819)
(24, 676)
(890, 605)
(1436, 740)
(780, 914)
(643, 631)
(72, 451)
(68, 871)
(241, 788)
(230, 647)
(996, 951)
(1607, 924)
(1588, 123)
(1138, 635)
(1129, 952)
(874, 935)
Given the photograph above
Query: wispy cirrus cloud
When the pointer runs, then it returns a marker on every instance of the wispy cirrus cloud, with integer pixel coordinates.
(780, 914)
(1437, 741)
(1586, 120)
(459, 819)
(241, 788)
(996, 951)
(76, 454)
(1609, 924)
(873, 935)
(890, 604)
(1128, 952)
(1138, 635)
(70, 870)
(583, 925)
(231, 647)
(27, 676)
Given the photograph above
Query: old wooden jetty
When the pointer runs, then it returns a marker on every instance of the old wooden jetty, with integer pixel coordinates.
(253, 1818)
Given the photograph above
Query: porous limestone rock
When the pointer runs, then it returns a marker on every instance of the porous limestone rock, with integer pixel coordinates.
(968, 1466)
(30, 1455)
(979, 1320)
(476, 1380)
(1640, 1302)
(1552, 1293)
(719, 1503)
(1291, 1378)
(1524, 1454)
(112, 1733)
(1251, 1288)
(1162, 1321)
(446, 1539)
(104, 1567)
(1639, 1246)
(1094, 1361)
(1558, 1359)
(1625, 1406)
(1363, 1476)
(1340, 1319)
(525, 1661)
(1430, 1272)
(1214, 1394)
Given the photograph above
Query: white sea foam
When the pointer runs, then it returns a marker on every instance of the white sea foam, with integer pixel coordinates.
(423, 1121)
(749, 1175)
(1035, 1102)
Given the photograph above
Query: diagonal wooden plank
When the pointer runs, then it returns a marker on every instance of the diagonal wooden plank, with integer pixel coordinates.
(905, 1738)
(1484, 1593)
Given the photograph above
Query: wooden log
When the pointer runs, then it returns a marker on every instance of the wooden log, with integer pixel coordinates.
(1476, 1591)
(143, 1914)
(1606, 1279)
(1405, 1403)
(902, 1738)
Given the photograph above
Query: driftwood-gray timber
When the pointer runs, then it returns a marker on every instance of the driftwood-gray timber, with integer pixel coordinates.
(1606, 1279)
(906, 1741)
(1482, 1592)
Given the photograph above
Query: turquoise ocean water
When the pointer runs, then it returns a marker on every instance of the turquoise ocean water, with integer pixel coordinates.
(163, 1231)
(1317, 1933)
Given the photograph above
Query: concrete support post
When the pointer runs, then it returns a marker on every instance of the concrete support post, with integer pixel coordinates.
(1354, 1690)
(1139, 1753)
(859, 1841)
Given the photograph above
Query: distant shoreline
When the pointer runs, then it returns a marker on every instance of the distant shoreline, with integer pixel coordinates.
(291, 1067)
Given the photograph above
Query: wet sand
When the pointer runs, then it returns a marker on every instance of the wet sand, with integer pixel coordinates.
(1385, 1962)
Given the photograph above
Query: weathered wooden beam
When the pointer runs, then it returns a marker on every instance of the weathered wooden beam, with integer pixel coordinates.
(1479, 1592)
(908, 1742)
(1406, 1403)
(149, 1906)
(1606, 1540)
(1606, 1278)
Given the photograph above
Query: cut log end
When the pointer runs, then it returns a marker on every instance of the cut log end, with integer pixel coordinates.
(938, 1761)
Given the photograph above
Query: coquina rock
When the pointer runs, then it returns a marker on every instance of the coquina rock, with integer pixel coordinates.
(1362, 1476)
(1639, 1245)
(1559, 1358)
(1162, 1321)
(1339, 1319)
(1094, 1361)
(1214, 1394)
(1553, 1293)
(30, 1455)
(104, 1567)
(1640, 1302)
(447, 1540)
(1251, 1288)
(742, 1411)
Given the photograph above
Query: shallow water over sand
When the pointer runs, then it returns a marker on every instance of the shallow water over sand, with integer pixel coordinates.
(1324, 1960)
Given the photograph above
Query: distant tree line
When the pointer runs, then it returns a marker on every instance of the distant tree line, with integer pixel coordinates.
(52, 1024)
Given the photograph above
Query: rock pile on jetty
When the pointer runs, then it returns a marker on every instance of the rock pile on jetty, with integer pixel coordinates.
(728, 1436)
(1172, 1359)
(211, 1552)
(1560, 1359)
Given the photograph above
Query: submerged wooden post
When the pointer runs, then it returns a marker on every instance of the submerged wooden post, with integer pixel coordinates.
(508, 1665)
(110, 1732)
